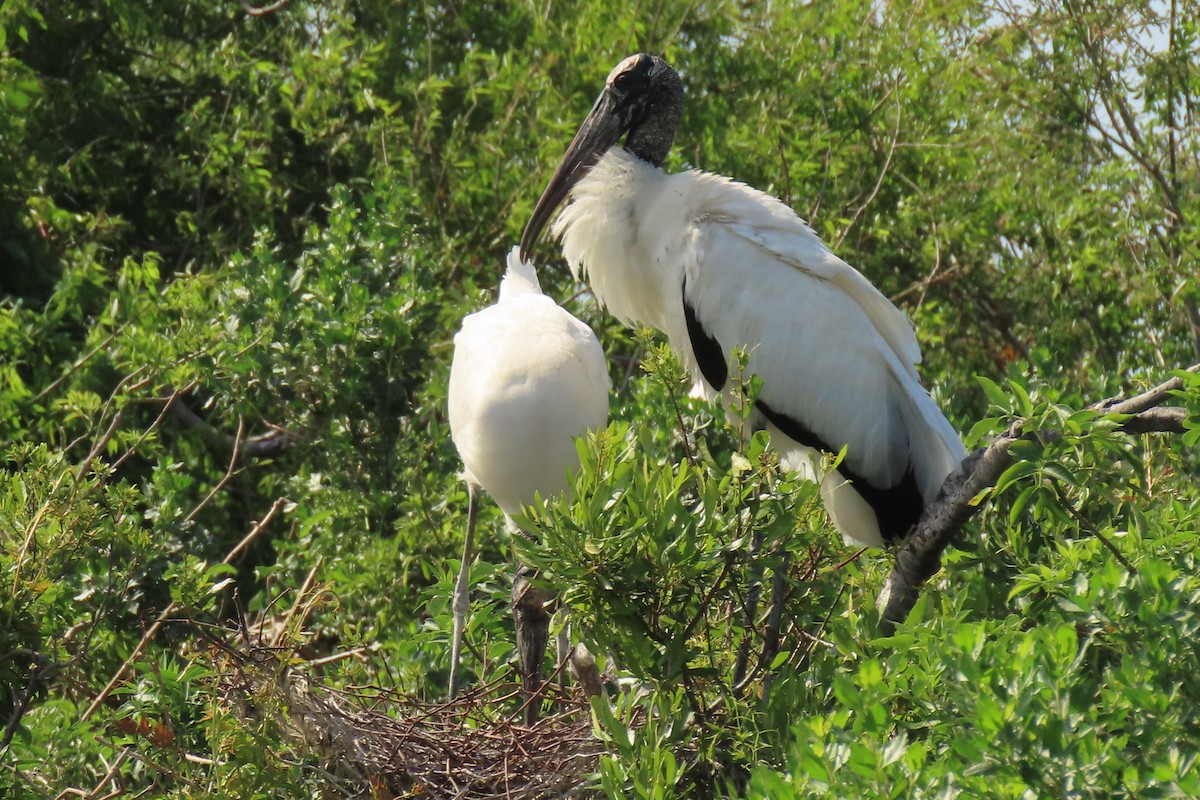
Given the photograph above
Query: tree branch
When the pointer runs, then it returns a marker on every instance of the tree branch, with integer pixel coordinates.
(921, 556)
(262, 11)
(272, 443)
(1146, 400)
(1168, 419)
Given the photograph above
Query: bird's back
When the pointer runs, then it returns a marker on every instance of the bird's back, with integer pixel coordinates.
(526, 379)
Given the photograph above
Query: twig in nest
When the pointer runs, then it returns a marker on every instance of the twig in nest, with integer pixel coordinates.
(461, 748)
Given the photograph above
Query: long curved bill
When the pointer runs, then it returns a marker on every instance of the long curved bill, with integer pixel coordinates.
(598, 132)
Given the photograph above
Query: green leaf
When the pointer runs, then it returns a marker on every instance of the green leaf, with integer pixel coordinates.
(1018, 471)
(995, 395)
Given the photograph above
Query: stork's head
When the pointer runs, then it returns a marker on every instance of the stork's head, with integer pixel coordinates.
(643, 98)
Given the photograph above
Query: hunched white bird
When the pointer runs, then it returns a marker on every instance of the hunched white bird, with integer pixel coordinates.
(526, 379)
(718, 266)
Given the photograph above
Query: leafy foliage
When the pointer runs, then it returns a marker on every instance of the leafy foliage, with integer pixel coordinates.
(234, 249)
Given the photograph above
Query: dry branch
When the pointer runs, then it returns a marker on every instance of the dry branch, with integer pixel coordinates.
(272, 443)
(921, 555)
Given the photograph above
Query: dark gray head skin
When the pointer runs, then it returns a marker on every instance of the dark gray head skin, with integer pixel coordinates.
(643, 97)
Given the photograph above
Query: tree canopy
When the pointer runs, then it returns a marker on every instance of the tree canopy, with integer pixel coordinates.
(236, 242)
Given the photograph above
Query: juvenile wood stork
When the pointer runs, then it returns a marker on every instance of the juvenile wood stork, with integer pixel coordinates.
(717, 265)
(526, 379)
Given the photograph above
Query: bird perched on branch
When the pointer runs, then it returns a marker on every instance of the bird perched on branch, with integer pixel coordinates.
(526, 380)
(719, 266)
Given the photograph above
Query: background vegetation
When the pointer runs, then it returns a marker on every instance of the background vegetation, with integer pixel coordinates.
(278, 219)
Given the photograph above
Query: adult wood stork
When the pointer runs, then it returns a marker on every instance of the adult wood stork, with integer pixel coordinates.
(717, 265)
(526, 379)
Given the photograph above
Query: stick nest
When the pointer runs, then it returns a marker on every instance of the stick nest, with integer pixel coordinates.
(472, 747)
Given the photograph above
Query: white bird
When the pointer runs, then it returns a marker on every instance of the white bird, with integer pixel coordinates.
(527, 378)
(719, 266)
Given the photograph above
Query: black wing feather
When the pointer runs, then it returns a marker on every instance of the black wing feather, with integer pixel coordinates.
(897, 508)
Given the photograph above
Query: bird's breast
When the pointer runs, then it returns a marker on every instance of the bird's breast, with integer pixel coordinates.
(620, 231)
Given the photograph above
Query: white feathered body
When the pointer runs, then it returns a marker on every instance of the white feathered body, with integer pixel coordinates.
(526, 379)
(831, 350)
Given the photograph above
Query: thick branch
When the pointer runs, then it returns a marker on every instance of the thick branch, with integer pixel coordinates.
(921, 556)
(271, 443)
(1147, 399)
(1168, 419)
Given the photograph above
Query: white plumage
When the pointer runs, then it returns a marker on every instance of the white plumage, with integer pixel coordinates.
(526, 380)
(716, 266)
(830, 348)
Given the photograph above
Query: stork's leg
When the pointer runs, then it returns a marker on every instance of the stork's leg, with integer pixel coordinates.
(775, 619)
(532, 623)
(750, 611)
(461, 603)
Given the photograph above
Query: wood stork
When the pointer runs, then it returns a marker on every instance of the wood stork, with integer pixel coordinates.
(526, 379)
(717, 265)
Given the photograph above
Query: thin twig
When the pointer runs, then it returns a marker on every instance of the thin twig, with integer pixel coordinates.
(171, 608)
(104, 439)
(887, 164)
(1091, 529)
(71, 370)
(153, 427)
(233, 458)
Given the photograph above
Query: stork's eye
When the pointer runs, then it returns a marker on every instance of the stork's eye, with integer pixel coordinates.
(624, 81)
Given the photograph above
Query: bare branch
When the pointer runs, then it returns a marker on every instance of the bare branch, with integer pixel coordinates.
(1145, 400)
(1168, 419)
(921, 556)
(262, 11)
(103, 441)
(153, 427)
(226, 478)
(272, 443)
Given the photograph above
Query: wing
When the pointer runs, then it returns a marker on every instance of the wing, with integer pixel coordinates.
(836, 358)
(768, 225)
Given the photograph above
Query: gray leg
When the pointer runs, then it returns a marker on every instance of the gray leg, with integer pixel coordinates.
(532, 622)
(460, 587)
(750, 611)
